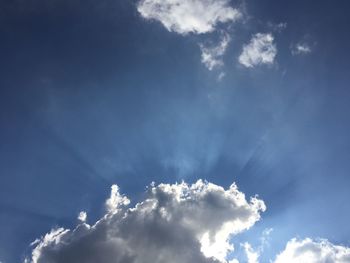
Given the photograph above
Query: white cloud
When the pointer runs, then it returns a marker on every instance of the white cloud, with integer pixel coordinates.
(174, 223)
(252, 255)
(264, 239)
(260, 50)
(82, 216)
(300, 49)
(310, 251)
(116, 200)
(189, 16)
(212, 56)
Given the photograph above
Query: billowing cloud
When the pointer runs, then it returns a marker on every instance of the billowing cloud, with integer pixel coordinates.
(189, 16)
(310, 251)
(174, 223)
(300, 49)
(260, 50)
(212, 56)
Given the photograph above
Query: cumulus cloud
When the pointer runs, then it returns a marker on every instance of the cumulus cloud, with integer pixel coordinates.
(212, 56)
(260, 50)
(174, 223)
(301, 49)
(189, 16)
(310, 251)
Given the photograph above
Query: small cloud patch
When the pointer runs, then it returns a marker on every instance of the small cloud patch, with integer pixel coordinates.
(212, 56)
(260, 50)
(301, 49)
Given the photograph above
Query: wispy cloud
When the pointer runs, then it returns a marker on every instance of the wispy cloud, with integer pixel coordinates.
(301, 49)
(277, 27)
(260, 50)
(212, 56)
(189, 16)
(253, 254)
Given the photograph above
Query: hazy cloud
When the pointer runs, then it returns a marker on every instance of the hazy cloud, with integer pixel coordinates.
(253, 254)
(277, 27)
(189, 16)
(260, 50)
(174, 223)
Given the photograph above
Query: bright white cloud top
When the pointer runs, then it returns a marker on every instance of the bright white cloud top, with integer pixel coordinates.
(310, 251)
(260, 50)
(82, 216)
(189, 16)
(174, 223)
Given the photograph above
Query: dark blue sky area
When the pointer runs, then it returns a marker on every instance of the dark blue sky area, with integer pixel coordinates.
(92, 94)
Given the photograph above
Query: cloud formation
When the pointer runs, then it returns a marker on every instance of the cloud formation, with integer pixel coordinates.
(212, 56)
(174, 223)
(301, 49)
(82, 216)
(260, 50)
(189, 16)
(310, 251)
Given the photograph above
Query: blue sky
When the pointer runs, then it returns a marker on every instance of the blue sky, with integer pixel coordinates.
(127, 92)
